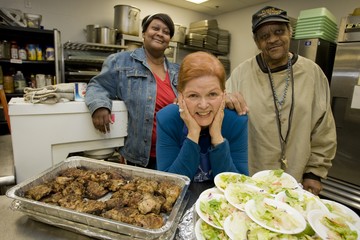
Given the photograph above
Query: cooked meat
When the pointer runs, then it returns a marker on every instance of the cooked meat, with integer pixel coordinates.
(74, 187)
(38, 192)
(133, 199)
(171, 192)
(149, 186)
(70, 201)
(73, 172)
(63, 180)
(149, 203)
(94, 190)
(91, 206)
(151, 221)
(115, 203)
(115, 184)
(53, 198)
(129, 186)
(126, 214)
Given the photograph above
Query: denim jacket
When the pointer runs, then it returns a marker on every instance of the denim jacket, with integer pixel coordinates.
(127, 76)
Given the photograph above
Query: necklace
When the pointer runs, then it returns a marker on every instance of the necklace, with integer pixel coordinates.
(280, 102)
(278, 106)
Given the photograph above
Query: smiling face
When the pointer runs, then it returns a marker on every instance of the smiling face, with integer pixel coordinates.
(203, 96)
(273, 39)
(156, 36)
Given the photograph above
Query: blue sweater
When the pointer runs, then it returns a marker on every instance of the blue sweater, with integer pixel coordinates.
(176, 153)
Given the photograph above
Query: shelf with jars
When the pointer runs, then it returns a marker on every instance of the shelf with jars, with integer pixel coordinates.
(31, 51)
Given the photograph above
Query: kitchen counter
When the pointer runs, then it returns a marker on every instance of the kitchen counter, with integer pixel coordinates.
(17, 225)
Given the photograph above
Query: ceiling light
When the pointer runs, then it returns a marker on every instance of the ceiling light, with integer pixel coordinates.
(197, 1)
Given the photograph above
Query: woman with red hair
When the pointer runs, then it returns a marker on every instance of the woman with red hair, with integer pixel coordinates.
(198, 137)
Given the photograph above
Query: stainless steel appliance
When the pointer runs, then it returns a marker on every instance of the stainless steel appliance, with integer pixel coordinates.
(343, 183)
(320, 51)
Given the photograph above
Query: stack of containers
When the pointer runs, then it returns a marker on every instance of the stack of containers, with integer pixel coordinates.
(316, 23)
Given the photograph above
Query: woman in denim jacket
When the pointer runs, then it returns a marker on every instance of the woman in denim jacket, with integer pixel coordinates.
(146, 81)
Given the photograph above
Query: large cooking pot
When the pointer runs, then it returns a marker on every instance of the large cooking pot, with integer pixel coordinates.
(127, 19)
(90, 32)
(179, 35)
(105, 35)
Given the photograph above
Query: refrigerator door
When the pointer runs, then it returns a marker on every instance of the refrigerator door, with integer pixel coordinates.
(320, 51)
(343, 183)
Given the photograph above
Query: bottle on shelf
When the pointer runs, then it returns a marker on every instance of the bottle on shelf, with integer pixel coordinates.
(19, 82)
(8, 84)
(14, 50)
(32, 81)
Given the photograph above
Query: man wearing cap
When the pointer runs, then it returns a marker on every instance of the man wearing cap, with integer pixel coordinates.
(291, 125)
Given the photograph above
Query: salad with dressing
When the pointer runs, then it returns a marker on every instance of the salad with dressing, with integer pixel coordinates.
(338, 229)
(214, 209)
(275, 181)
(238, 226)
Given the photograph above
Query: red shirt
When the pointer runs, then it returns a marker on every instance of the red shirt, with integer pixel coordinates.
(164, 96)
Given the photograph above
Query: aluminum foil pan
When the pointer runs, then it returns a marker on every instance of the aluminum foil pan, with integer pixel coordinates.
(97, 224)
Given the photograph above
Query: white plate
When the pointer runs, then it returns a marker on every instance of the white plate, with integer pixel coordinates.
(199, 232)
(225, 178)
(236, 225)
(342, 211)
(224, 210)
(237, 194)
(273, 184)
(304, 201)
(282, 210)
(210, 191)
(314, 219)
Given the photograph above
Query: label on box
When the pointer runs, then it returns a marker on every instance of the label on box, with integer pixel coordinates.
(79, 91)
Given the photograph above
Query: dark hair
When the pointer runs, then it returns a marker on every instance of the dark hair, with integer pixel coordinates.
(198, 64)
(161, 16)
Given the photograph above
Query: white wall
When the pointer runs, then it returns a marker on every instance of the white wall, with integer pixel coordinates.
(239, 22)
(72, 16)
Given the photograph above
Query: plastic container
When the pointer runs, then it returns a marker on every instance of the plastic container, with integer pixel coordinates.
(19, 82)
(33, 20)
(316, 12)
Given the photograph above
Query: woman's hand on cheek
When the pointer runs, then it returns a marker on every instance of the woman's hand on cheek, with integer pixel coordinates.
(215, 127)
(193, 127)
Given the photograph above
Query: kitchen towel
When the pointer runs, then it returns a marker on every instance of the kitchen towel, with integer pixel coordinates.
(50, 94)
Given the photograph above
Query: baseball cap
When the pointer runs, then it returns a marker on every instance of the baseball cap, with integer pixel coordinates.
(268, 14)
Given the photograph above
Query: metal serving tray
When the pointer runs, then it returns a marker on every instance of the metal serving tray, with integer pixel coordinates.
(97, 225)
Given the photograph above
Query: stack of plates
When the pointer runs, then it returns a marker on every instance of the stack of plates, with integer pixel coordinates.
(316, 23)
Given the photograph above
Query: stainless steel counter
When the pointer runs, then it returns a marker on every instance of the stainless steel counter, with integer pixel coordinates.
(16, 225)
